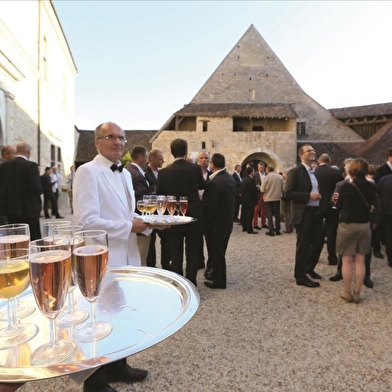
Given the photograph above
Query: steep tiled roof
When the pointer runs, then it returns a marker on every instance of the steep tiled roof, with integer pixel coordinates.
(267, 110)
(381, 109)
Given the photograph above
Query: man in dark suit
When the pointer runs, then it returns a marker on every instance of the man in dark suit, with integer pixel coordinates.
(237, 180)
(142, 187)
(384, 169)
(302, 189)
(46, 183)
(183, 178)
(20, 190)
(155, 162)
(249, 196)
(384, 189)
(328, 177)
(218, 204)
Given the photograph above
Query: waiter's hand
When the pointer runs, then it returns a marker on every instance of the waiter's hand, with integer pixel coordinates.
(138, 225)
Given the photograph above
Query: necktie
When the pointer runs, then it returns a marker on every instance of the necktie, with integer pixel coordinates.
(115, 167)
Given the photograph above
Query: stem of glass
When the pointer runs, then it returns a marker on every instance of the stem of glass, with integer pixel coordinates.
(11, 313)
(53, 333)
(93, 316)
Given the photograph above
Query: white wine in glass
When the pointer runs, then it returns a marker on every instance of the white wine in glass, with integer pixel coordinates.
(11, 236)
(91, 261)
(14, 279)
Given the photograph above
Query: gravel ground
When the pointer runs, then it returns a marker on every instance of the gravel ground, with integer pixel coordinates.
(264, 333)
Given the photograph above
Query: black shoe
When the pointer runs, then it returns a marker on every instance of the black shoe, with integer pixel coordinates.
(253, 232)
(368, 282)
(208, 274)
(59, 217)
(257, 227)
(307, 283)
(277, 232)
(47, 217)
(127, 374)
(236, 220)
(264, 227)
(378, 254)
(314, 275)
(212, 285)
(104, 388)
(271, 234)
(338, 276)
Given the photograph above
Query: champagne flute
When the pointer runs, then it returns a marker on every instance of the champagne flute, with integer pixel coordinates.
(50, 272)
(91, 262)
(183, 205)
(161, 204)
(48, 227)
(14, 279)
(171, 205)
(11, 236)
(71, 316)
(335, 197)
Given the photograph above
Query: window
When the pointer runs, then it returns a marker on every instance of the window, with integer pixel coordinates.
(258, 128)
(52, 155)
(205, 126)
(301, 128)
(203, 145)
(252, 94)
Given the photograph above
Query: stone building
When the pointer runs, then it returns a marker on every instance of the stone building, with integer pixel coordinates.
(252, 109)
(37, 78)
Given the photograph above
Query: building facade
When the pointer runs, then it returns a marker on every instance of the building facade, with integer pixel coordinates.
(37, 82)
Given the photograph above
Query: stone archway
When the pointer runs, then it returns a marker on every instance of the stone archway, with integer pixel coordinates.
(268, 158)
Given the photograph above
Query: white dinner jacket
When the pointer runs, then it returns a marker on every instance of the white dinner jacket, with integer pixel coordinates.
(100, 203)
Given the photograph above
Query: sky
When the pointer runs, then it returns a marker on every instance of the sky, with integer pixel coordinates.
(140, 61)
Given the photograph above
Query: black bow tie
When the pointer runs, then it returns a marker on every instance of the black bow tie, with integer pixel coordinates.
(115, 167)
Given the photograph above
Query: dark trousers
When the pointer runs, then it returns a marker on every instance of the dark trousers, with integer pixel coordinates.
(192, 238)
(387, 221)
(309, 238)
(273, 211)
(33, 222)
(246, 217)
(49, 198)
(100, 377)
(330, 228)
(165, 254)
(237, 206)
(217, 253)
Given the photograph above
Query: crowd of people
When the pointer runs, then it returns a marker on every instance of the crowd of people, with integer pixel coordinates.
(349, 211)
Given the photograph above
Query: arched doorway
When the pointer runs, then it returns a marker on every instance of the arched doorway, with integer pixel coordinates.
(264, 157)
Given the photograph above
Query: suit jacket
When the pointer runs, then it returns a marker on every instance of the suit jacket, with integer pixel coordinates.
(384, 189)
(381, 172)
(151, 178)
(20, 188)
(249, 191)
(183, 178)
(327, 178)
(218, 202)
(236, 177)
(105, 200)
(46, 183)
(140, 183)
(297, 189)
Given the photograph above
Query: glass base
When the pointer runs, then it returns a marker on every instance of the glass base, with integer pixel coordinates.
(91, 332)
(23, 310)
(49, 354)
(73, 318)
(16, 335)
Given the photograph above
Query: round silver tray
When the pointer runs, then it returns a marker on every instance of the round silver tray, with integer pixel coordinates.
(144, 305)
(165, 220)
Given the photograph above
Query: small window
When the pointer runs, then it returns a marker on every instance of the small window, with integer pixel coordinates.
(203, 145)
(301, 128)
(252, 94)
(258, 128)
(205, 126)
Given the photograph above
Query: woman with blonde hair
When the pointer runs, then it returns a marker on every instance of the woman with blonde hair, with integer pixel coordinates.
(355, 199)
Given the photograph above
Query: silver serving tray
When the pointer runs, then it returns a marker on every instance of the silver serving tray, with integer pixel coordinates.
(144, 305)
(165, 220)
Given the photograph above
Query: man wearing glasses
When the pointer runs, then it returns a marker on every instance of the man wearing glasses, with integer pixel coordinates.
(302, 189)
(104, 199)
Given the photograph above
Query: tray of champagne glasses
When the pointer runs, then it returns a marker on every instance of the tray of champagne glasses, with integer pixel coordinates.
(143, 305)
(167, 220)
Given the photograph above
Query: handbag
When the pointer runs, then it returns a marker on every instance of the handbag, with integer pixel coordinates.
(369, 207)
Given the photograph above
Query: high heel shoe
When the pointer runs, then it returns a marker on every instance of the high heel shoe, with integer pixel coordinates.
(357, 297)
(346, 296)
